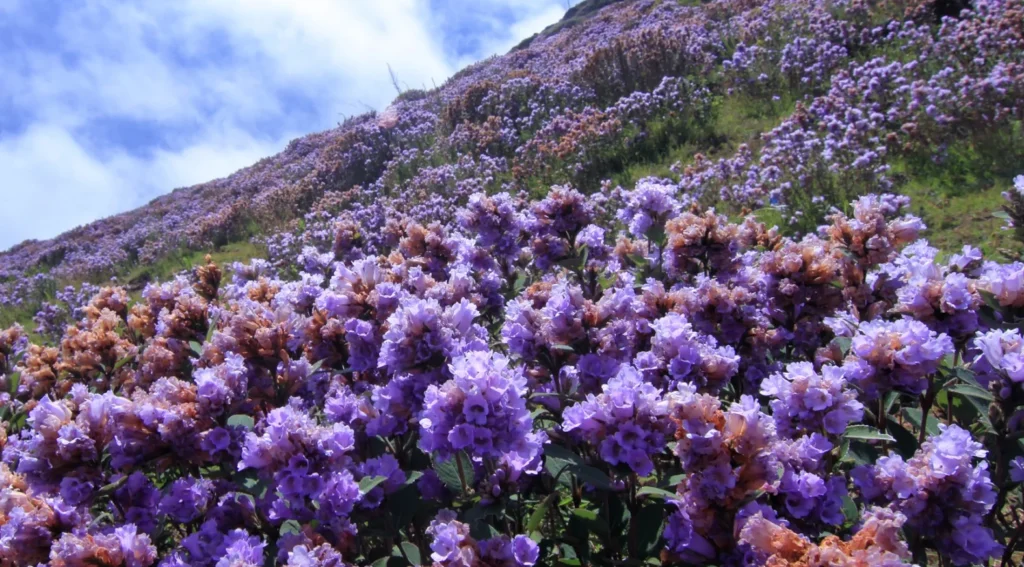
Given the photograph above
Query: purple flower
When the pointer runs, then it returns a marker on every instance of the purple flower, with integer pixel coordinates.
(241, 550)
(480, 410)
(626, 421)
(683, 542)
(648, 206)
(1000, 359)
(525, 551)
(186, 499)
(804, 401)
(899, 355)
(942, 493)
(219, 386)
(421, 334)
(685, 356)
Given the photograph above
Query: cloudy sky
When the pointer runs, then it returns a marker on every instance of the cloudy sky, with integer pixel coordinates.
(105, 104)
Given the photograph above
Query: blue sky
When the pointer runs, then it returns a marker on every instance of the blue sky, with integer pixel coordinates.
(105, 104)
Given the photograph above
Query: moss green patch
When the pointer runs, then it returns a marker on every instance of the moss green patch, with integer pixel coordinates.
(956, 219)
(186, 259)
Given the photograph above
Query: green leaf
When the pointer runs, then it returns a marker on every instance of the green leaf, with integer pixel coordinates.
(913, 415)
(412, 477)
(638, 260)
(843, 343)
(520, 281)
(973, 391)
(316, 366)
(850, 511)
(843, 450)
(196, 347)
(482, 530)
(13, 381)
(390, 561)
(291, 527)
(448, 472)
(646, 527)
(557, 460)
(656, 234)
(990, 300)
(412, 553)
(966, 375)
(122, 362)
(241, 420)
(614, 519)
(403, 505)
(212, 327)
(564, 348)
(368, 483)
(867, 433)
(110, 488)
(250, 481)
(1002, 215)
(584, 514)
(578, 533)
(592, 476)
(656, 492)
(906, 442)
(533, 524)
(481, 512)
(973, 411)
(607, 282)
(890, 400)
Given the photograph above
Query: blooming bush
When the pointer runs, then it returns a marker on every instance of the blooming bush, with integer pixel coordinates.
(467, 347)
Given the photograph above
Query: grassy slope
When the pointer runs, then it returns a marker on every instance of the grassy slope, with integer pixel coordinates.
(957, 207)
(163, 270)
(955, 215)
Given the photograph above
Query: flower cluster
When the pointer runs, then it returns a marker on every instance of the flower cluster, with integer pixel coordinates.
(453, 546)
(898, 355)
(804, 401)
(944, 496)
(627, 422)
(497, 326)
(481, 410)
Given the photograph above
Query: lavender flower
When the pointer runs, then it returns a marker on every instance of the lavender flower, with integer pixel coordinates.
(480, 410)
(626, 422)
(943, 495)
(898, 356)
(804, 401)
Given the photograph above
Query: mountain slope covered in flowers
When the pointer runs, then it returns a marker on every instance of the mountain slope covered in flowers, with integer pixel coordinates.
(653, 288)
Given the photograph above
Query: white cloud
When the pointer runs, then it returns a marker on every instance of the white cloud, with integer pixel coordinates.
(49, 177)
(130, 100)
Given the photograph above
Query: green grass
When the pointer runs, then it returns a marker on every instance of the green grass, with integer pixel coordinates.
(956, 206)
(242, 251)
(964, 217)
(139, 275)
(738, 120)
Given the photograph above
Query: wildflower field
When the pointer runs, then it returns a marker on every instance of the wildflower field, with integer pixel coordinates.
(723, 283)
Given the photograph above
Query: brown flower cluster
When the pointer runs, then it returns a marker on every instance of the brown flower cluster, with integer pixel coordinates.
(90, 352)
(876, 544)
(708, 243)
(33, 512)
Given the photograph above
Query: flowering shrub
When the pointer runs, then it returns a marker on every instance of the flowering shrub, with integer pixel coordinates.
(466, 348)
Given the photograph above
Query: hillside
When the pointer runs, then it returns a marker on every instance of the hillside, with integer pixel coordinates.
(725, 282)
(566, 107)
